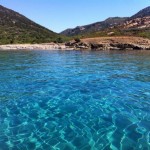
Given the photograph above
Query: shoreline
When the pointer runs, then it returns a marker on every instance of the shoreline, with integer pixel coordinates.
(43, 46)
(98, 43)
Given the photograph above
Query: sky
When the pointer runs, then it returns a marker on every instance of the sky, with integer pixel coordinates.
(58, 15)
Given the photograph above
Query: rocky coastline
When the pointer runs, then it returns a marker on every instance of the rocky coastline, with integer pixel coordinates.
(111, 43)
(100, 43)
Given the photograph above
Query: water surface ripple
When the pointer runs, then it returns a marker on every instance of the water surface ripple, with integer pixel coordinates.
(74, 100)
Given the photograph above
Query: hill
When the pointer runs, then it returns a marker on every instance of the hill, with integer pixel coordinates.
(138, 21)
(16, 28)
(142, 13)
(98, 26)
(136, 25)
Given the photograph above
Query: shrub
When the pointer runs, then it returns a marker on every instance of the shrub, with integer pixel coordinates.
(58, 40)
(77, 40)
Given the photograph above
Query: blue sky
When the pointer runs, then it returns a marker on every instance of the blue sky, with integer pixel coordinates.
(58, 15)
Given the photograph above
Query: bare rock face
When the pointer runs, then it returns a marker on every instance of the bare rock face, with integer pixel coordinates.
(138, 23)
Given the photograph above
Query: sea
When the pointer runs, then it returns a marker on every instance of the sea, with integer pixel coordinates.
(74, 100)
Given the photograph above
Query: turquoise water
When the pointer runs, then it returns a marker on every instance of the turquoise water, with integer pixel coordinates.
(74, 100)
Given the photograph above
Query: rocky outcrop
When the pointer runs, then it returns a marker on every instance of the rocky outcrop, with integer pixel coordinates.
(127, 46)
(111, 43)
(137, 23)
(118, 46)
(77, 45)
(108, 46)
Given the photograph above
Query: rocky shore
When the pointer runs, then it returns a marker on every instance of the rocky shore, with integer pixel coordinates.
(100, 43)
(111, 43)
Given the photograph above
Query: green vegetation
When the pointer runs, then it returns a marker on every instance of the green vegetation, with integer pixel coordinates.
(17, 29)
(77, 40)
(13, 35)
(62, 39)
(145, 33)
(141, 33)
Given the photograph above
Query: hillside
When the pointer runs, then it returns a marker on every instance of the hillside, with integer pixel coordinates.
(98, 26)
(140, 20)
(16, 28)
(136, 25)
(142, 13)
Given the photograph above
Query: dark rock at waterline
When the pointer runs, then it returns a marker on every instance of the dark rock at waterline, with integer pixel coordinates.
(110, 43)
(97, 46)
(127, 46)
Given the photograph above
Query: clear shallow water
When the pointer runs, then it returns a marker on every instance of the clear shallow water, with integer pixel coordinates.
(74, 100)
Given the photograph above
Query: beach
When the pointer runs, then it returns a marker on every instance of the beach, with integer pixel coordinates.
(45, 46)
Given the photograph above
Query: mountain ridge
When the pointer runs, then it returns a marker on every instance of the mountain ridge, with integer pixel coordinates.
(116, 26)
(97, 26)
(142, 13)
